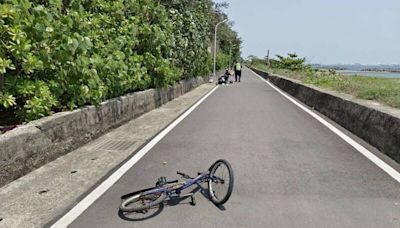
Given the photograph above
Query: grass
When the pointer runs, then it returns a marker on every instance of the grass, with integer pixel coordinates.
(382, 90)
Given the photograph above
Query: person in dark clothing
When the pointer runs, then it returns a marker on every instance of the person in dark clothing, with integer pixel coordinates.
(226, 75)
(224, 79)
(238, 71)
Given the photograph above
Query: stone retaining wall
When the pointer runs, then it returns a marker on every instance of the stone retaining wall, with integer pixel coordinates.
(378, 127)
(39, 142)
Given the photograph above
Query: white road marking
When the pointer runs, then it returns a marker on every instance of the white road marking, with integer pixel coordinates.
(377, 161)
(78, 209)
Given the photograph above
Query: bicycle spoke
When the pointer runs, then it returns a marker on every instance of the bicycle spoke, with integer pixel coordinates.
(220, 176)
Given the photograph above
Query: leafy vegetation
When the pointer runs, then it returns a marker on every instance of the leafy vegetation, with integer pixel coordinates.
(61, 54)
(383, 90)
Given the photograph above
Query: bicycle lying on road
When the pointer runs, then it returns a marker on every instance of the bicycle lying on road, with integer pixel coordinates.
(220, 185)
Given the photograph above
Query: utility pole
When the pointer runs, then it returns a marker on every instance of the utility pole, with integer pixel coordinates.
(268, 64)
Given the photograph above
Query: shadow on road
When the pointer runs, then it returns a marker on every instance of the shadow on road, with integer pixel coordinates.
(141, 216)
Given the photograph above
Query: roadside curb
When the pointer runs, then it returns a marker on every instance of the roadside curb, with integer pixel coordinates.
(378, 128)
(28, 147)
(70, 178)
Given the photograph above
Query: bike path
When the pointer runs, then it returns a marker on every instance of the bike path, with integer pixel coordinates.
(290, 170)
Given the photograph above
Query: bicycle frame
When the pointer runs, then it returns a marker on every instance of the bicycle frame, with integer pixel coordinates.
(187, 184)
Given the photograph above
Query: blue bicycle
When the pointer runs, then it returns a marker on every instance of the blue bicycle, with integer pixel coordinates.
(220, 185)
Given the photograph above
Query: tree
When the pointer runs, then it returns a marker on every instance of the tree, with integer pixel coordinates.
(291, 62)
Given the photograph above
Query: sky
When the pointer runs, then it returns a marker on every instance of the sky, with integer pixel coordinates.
(323, 31)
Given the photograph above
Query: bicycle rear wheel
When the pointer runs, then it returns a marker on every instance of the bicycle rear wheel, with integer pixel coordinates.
(220, 185)
(141, 202)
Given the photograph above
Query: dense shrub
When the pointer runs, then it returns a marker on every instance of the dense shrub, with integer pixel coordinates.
(62, 54)
(291, 62)
(222, 61)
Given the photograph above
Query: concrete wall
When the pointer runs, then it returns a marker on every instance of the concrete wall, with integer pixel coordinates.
(39, 142)
(379, 126)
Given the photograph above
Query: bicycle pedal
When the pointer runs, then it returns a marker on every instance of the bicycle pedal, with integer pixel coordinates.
(161, 181)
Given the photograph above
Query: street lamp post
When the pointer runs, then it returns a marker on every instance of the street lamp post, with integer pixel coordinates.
(215, 44)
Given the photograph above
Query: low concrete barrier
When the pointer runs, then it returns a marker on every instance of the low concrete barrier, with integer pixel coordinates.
(39, 142)
(379, 126)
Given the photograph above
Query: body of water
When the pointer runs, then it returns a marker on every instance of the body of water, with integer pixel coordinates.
(369, 73)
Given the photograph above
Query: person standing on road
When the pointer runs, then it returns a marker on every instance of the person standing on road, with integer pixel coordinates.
(238, 71)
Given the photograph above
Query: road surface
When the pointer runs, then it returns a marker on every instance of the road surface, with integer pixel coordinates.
(290, 170)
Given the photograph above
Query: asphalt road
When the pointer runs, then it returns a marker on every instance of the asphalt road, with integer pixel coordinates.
(290, 170)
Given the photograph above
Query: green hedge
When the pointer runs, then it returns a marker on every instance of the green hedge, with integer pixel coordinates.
(58, 54)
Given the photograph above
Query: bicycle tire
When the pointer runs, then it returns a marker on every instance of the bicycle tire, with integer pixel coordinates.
(159, 198)
(219, 200)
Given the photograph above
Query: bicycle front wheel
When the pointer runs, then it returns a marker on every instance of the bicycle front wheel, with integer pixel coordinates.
(141, 202)
(220, 184)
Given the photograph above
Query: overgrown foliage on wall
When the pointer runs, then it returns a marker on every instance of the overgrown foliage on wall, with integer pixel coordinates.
(61, 54)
